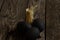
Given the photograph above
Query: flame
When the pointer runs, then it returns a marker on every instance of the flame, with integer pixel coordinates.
(30, 14)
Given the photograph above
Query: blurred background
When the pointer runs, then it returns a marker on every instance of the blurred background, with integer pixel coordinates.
(11, 11)
(53, 20)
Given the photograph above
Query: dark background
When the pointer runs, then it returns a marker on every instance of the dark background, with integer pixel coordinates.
(53, 19)
(11, 11)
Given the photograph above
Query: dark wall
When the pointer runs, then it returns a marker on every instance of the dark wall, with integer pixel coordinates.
(53, 19)
(11, 11)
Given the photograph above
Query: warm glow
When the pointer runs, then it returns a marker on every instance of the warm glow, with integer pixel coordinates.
(30, 14)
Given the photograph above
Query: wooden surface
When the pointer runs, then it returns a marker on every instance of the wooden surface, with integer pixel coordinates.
(53, 20)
